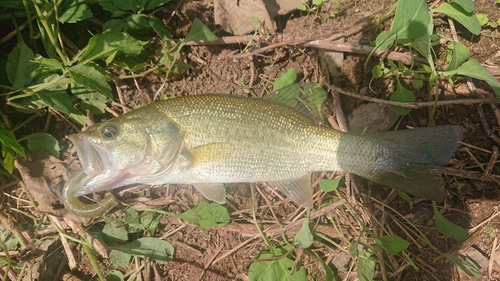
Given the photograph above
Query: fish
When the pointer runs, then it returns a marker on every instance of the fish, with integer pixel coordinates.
(210, 140)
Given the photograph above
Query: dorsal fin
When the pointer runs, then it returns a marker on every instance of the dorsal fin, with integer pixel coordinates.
(306, 100)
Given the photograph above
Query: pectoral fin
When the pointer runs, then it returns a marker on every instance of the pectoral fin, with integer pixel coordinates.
(210, 153)
(298, 190)
(212, 191)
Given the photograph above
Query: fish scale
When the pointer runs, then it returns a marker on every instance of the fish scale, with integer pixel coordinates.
(208, 140)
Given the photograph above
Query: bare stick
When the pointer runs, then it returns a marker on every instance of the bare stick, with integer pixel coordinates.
(414, 105)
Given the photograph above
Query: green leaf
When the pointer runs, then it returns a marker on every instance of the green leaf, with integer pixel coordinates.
(119, 259)
(19, 65)
(199, 31)
(366, 266)
(115, 275)
(482, 18)
(73, 10)
(59, 100)
(460, 53)
(151, 4)
(448, 228)
(417, 83)
(38, 142)
(467, 5)
(328, 185)
(90, 78)
(286, 79)
(466, 264)
(403, 195)
(8, 159)
(393, 245)
(411, 20)
(8, 139)
(275, 270)
(107, 44)
(120, 8)
(304, 237)
(150, 247)
(474, 69)
(457, 12)
(135, 24)
(402, 95)
(160, 28)
(207, 215)
(8, 238)
(377, 71)
(114, 232)
(47, 65)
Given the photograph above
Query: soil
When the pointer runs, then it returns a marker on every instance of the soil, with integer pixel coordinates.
(200, 253)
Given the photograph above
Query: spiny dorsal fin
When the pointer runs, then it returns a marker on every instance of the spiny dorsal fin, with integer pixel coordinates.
(306, 100)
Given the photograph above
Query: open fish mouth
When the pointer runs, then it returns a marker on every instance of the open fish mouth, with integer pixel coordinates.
(89, 156)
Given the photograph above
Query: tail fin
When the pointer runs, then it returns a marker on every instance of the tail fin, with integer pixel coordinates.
(414, 159)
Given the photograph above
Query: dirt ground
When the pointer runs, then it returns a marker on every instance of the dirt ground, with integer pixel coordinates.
(226, 253)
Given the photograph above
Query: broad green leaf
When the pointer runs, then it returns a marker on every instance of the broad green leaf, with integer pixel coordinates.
(474, 69)
(114, 232)
(90, 78)
(120, 8)
(328, 185)
(384, 40)
(460, 53)
(8, 238)
(411, 20)
(482, 18)
(457, 12)
(151, 4)
(19, 65)
(135, 24)
(160, 28)
(59, 100)
(38, 142)
(366, 267)
(95, 107)
(207, 215)
(275, 270)
(417, 83)
(119, 259)
(448, 228)
(115, 275)
(8, 139)
(467, 5)
(402, 95)
(73, 10)
(150, 247)
(8, 159)
(115, 25)
(465, 263)
(403, 195)
(377, 71)
(287, 78)
(393, 245)
(199, 31)
(46, 65)
(304, 237)
(79, 118)
(104, 45)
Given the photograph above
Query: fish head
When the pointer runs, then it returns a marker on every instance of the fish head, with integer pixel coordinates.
(118, 151)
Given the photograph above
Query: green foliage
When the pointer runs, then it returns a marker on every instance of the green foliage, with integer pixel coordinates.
(39, 142)
(329, 185)
(275, 269)
(286, 79)
(304, 237)
(392, 245)
(207, 215)
(413, 27)
(448, 228)
(148, 247)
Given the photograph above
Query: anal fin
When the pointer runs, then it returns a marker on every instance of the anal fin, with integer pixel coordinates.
(212, 191)
(298, 190)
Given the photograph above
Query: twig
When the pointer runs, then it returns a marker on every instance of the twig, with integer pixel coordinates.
(486, 221)
(207, 265)
(490, 132)
(492, 257)
(414, 105)
(491, 163)
(468, 174)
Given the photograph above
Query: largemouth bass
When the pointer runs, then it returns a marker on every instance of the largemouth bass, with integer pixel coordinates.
(208, 140)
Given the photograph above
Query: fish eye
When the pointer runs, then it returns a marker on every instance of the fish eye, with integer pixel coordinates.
(109, 131)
